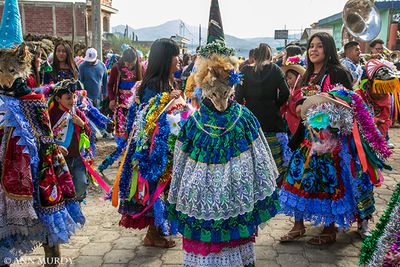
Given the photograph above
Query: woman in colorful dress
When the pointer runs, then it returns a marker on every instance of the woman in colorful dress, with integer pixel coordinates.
(124, 74)
(63, 66)
(144, 177)
(223, 184)
(264, 91)
(331, 175)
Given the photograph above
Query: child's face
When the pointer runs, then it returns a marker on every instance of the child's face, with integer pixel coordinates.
(291, 79)
(66, 100)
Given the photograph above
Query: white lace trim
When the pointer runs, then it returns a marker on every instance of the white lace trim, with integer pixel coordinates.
(229, 257)
(17, 217)
(222, 191)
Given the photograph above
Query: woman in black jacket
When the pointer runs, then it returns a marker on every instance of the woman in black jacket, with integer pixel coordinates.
(264, 91)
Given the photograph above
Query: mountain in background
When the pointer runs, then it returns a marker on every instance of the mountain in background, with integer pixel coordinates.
(170, 28)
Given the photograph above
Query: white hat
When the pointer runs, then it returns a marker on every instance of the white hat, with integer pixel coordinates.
(91, 55)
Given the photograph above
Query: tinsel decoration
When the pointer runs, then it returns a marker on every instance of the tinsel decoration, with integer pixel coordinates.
(98, 119)
(369, 244)
(368, 127)
(392, 258)
(153, 158)
(216, 48)
(339, 117)
(387, 239)
(110, 159)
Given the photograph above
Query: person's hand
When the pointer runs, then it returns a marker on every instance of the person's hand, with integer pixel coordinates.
(175, 94)
(78, 121)
(111, 105)
(379, 121)
(63, 150)
(38, 61)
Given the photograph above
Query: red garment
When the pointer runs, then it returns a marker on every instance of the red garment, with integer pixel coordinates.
(382, 112)
(31, 82)
(381, 109)
(289, 110)
(16, 176)
(113, 82)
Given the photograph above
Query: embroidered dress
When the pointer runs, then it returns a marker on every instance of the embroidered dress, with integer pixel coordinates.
(37, 196)
(126, 82)
(331, 175)
(62, 74)
(223, 186)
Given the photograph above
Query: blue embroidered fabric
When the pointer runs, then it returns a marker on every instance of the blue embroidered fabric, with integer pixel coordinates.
(221, 145)
(320, 176)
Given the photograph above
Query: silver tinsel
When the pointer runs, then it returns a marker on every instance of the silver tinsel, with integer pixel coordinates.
(340, 117)
(387, 239)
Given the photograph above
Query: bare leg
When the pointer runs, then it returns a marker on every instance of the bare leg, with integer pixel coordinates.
(296, 232)
(52, 255)
(327, 236)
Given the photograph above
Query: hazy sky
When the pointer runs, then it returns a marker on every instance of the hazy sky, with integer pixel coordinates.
(241, 18)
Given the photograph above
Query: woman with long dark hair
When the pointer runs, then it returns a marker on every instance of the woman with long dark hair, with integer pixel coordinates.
(63, 66)
(153, 159)
(124, 74)
(324, 69)
(264, 91)
(316, 188)
(162, 64)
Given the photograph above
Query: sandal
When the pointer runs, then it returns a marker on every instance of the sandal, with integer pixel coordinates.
(323, 239)
(293, 235)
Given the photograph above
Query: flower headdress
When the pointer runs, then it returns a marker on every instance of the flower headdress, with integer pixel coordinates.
(65, 86)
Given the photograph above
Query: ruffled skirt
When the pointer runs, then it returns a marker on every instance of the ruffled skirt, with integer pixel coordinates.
(237, 256)
(278, 143)
(326, 188)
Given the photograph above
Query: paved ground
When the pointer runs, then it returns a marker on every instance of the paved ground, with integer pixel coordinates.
(103, 243)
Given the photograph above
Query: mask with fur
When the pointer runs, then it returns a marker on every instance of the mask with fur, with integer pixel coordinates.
(213, 77)
(14, 63)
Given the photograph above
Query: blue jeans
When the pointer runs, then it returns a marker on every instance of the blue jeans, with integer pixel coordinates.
(79, 177)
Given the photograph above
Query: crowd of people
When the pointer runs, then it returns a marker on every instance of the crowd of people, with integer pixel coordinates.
(209, 148)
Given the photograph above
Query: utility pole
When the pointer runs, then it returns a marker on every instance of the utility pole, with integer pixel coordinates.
(97, 29)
